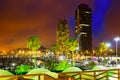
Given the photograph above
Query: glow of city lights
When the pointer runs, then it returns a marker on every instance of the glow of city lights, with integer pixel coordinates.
(77, 48)
(62, 57)
(108, 44)
(13, 64)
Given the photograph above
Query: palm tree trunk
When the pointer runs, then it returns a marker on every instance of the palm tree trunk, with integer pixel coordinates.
(73, 58)
(35, 60)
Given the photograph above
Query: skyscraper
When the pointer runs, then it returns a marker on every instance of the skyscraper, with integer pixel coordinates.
(62, 35)
(83, 29)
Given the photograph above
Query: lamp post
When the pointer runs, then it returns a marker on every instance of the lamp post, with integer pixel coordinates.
(116, 40)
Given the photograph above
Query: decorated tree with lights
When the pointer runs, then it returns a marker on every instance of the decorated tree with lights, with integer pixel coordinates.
(33, 44)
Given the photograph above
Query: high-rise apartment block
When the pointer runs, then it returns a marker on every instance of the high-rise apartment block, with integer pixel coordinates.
(83, 29)
(62, 35)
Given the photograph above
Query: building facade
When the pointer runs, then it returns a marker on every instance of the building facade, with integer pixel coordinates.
(83, 27)
(62, 35)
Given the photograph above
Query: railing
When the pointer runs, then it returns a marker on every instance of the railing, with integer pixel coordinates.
(28, 77)
(111, 74)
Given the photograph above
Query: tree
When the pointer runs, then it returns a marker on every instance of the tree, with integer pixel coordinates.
(102, 49)
(71, 45)
(22, 69)
(33, 44)
(55, 47)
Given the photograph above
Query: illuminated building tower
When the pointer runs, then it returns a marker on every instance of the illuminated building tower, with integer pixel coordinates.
(83, 18)
(62, 35)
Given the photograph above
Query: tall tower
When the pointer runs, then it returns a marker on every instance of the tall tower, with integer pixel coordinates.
(62, 35)
(83, 18)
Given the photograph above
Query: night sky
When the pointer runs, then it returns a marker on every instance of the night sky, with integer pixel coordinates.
(20, 19)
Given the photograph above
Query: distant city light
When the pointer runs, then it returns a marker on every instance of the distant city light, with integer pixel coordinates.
(77, 48)
(13, 64)
(62, 57)
(108, 44)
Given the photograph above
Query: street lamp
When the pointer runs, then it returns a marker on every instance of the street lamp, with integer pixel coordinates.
(116, 40)
(78, 37)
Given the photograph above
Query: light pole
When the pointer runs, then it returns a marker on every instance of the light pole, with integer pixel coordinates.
(116, 40)
(78, 38)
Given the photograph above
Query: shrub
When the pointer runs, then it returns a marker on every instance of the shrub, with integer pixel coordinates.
(91, 64)
(22, 69)
(62, 66)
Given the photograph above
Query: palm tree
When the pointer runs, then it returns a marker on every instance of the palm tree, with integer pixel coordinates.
(102, 49)
(33, 44)
(55, 48)
(71, 45)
